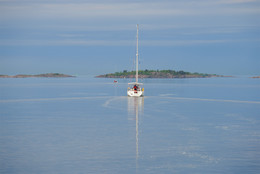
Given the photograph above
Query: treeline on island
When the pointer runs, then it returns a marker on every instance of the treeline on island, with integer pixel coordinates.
(157, 74)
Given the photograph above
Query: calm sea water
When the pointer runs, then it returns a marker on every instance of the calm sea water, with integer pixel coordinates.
(88, 125)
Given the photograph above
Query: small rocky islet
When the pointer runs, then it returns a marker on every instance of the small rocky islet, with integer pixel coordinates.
(56, 75)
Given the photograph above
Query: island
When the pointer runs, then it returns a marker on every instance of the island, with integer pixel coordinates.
(255, 77)
(56, 75)
(158, 74)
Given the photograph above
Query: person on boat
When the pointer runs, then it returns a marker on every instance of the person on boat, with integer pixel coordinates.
(135, 88)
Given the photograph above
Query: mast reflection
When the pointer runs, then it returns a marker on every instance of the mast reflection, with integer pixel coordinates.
(136, 107)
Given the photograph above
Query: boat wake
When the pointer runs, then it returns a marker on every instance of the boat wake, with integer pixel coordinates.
(107, 104)
(113, 98)
(212, 100)
(51, 99)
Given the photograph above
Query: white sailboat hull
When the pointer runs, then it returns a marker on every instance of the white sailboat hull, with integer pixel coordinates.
(132, 93)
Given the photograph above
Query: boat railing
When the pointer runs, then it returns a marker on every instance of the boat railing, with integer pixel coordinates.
(132, 89)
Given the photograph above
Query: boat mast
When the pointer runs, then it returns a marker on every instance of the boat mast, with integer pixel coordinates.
(136, 75)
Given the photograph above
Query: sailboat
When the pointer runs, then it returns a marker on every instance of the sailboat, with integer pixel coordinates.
(135, 89)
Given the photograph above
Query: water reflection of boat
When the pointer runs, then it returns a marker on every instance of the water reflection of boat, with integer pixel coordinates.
(135, 106)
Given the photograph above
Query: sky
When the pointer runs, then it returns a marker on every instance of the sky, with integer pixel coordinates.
(93, 37)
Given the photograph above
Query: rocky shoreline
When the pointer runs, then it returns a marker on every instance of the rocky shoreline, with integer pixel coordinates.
(159, 76)
(56, 75)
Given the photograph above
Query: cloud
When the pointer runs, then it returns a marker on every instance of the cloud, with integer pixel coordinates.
(182, 42)
(65, 42)
(71, 35)
(78, 42)
(72, 21)
(88, 10)
(235, 1)
(106, 9)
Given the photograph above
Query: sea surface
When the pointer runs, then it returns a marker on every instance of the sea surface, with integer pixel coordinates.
(89, 125)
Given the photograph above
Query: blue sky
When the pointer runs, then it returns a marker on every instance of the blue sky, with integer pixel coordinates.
(93, 37)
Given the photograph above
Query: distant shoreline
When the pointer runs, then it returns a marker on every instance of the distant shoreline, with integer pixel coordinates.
(47, 75)
(159, 74)
(255, 77)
